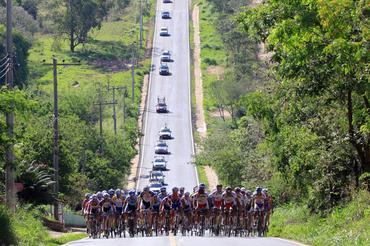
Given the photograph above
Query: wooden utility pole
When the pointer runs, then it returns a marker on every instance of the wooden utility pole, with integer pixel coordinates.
(56, 133)
(113, 89)
(10, 193)
(133, 81)
(101, 103)
(141, 24)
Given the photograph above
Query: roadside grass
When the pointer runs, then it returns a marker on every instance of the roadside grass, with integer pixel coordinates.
(68, 237)
(202, 175)
(212, 50)
(347, 225)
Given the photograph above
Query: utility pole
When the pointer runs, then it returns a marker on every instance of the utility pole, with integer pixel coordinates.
(113, 89)
(56, 133)
(10, 194)
(133, 81)
(101, 103)
(141, 24)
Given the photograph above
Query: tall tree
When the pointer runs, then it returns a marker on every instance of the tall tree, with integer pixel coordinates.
(80, 17)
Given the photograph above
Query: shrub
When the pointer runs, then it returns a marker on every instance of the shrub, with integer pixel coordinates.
(210, 61)
(7, 235)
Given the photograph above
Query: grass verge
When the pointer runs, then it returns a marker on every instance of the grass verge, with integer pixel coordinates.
(68, 237)
(202, 175)
(347, 225)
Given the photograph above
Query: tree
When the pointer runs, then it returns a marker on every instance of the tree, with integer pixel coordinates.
(22, 45)
(79, 17)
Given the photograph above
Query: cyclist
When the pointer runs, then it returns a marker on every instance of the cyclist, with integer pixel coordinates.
(216, 199)
(93, 211)
(163, 193)
(165, 208)
(175, 204)
(186, 209)
(182, 191)
(259, 205)
(156, 203)
(107, 207)
(229, 201)
(145, 200)
(118, 201)
(85, 202)
(200, 202)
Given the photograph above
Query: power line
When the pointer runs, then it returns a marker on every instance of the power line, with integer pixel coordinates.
(6, 62)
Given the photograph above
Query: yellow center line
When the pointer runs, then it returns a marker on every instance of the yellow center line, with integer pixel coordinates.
(172, 240)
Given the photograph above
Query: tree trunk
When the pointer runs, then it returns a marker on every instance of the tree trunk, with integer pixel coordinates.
(72, 40)
(363, 150)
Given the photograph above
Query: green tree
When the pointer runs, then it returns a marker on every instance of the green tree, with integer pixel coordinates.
(79, 17)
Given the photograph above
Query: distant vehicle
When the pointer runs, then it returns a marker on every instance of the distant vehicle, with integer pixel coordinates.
(166, 56)
(164, 69)
(159, 163)
(155, 187)
(156, 176)
(165, 133)
(166, 15)
(161, 147)
(161, 106)
(167, 1)
(164, 32)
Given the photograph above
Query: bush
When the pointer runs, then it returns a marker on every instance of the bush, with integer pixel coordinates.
(7, 235)
(210, 61)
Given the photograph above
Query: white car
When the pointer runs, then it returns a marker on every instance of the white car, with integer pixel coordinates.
(166, 56)
(159, 163)
(164, 32)
(156, 176)
(161, 147)
(155, 187)
(165, 133)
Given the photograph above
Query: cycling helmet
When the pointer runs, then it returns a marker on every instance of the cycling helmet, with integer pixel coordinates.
(202, 186)
(106, 195)
(219, 185)
(258, 189)
(118, 192)
(265, 190)
(175, 189)
(237, 189)
(131, 192)
(146, 189)
(87, 195)
(104, 191)
(228, 188)
(111, 192)
(182, 189)
(99, 194)
(243, 189)
(163, 189)
(94, 197)
(248, 192)
(187, 194)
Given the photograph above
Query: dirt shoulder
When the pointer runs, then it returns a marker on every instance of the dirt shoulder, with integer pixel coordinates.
(200, 121)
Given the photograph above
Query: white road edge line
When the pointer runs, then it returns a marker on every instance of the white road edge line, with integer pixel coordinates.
(190, 94)
(146, 111)
(290, 241)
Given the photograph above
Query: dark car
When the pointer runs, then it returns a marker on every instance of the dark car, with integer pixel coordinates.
(161, 106)
(166, 15)
(164, 69)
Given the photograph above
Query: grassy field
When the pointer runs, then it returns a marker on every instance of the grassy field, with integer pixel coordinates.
(106, 58)
(348, 225)
(212, 51)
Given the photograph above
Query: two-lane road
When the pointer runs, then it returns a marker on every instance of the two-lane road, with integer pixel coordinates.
(176, 89)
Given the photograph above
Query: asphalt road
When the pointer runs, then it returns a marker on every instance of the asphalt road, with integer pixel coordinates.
(185, 241)
(176, 89)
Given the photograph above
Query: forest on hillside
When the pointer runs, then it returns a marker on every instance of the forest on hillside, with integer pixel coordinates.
(296, 95)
